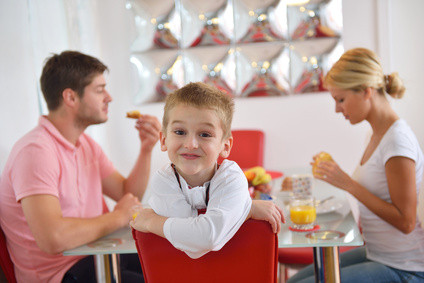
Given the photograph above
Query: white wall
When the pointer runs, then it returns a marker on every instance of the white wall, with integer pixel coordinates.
(407, 44)
(296, 127)
(18, 104)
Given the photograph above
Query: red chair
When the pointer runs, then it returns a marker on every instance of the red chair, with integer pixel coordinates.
(248, 148)
(5, 261)
(250, 256)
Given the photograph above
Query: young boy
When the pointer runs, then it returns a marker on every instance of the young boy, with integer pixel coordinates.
(196, 131)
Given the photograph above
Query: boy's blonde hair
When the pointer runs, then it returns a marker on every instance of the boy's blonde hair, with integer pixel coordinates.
(360, 68)
(203, 96)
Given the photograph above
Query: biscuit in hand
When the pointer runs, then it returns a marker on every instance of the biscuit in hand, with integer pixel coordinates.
(135, 114)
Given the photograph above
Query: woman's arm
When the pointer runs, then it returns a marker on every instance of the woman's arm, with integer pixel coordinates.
(400, 173)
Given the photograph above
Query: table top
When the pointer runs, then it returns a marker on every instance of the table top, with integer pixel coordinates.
(337, 224)
(119, 242)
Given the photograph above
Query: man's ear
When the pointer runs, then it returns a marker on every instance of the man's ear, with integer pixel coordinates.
(70, 97)
(162, 138)
(228, 144)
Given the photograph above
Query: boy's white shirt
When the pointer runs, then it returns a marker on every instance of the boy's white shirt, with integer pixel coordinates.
(229, 205)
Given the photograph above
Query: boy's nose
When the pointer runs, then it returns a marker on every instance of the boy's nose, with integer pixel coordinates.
(191, 142)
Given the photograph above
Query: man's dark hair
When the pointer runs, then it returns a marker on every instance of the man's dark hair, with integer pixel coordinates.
(69, 69)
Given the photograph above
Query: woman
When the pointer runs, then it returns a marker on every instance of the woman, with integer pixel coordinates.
(385, 182)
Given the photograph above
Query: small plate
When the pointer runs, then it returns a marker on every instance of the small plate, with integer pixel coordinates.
(329, 206)
(325, 235)
(105, 243)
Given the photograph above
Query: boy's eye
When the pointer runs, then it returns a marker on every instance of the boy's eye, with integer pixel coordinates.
(179, 132)
(205, 135)
(341, 100)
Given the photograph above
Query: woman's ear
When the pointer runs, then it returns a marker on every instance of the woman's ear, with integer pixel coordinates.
(162, 138)
(368, 92)
(228, 144)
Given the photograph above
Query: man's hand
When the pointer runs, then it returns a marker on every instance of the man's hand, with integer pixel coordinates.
(125, 206)
(268, 211)
(148, 129)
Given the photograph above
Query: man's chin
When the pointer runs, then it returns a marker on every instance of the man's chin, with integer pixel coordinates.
(100, 121)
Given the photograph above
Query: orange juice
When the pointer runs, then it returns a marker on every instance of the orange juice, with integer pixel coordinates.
(303, 214)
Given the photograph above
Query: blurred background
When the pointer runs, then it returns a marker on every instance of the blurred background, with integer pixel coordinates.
(296, 125)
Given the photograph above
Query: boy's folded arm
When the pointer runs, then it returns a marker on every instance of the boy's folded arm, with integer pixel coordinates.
(198, 235)
(171, 205)
(227, 211)
(167, 199)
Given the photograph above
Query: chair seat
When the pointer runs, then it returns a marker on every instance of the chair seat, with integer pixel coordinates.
(301, 255)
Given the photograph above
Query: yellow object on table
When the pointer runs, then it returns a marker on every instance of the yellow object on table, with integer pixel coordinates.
(304, 214)
(322, 156)
(257, 175)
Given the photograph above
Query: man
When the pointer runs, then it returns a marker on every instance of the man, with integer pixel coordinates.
(51, 190)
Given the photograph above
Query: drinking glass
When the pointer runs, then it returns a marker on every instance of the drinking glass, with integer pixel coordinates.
(302, 212)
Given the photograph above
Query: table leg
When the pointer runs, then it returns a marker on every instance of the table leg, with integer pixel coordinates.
(326, 263)
(107, 268)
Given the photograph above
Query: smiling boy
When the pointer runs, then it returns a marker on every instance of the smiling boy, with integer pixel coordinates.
(197, 204)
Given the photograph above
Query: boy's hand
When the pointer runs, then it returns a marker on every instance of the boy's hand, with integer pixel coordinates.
(142, 218)
(148, 221)
(268, 211)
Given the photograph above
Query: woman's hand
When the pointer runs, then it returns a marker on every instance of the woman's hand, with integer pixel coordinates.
(330, 172)
(268, 211)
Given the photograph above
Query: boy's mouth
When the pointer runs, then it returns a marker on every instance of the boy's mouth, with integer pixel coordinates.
(190, 156)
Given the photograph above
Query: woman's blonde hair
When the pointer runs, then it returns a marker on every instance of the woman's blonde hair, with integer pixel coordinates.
(360, 68)
(203, 96)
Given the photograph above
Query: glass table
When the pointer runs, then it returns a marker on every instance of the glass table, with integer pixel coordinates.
(337, 228)
(106, 253)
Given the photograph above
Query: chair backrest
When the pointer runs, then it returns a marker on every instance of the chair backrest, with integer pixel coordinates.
(250, 256)
(5, 261)
(248, 148)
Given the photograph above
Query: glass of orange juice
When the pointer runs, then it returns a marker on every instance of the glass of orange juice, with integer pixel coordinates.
(302, 212)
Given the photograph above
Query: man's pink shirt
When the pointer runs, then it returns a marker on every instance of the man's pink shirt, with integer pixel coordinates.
(44, 162)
